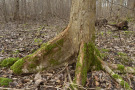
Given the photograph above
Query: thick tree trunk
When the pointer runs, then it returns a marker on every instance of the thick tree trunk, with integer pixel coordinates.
(76, 40)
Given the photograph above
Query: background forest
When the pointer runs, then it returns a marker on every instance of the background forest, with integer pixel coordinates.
(42, 10)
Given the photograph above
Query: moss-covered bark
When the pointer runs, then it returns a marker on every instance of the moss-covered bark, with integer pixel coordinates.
(87, 60)
(8, 62)
(33, 61)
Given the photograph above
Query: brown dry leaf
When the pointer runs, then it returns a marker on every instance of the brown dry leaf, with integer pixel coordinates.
(96, 83)
(58, 81)
(96, 78)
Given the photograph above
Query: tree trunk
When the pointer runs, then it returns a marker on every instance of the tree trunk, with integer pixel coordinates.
(76, 40)
(4, 11)
(16, 12)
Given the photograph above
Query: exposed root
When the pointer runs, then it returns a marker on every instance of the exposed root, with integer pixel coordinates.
(121, 68)
(50, 55)
(80, 65)
(115, 76)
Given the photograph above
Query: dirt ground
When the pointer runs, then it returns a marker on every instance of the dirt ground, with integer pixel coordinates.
(19, 40)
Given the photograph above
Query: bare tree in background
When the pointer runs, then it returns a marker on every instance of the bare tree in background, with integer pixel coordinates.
(16, 12)
(4, 10)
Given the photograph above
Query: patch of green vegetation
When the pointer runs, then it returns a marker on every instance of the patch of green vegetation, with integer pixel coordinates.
(8, 62)
(104, 53)
(122, 54)
(41, 27)
(38, 41)
(112, 23)
(25, 24)
(101, 33)
(116, 76)
(125, 85)
(124, 58)
(128, 32)
(5, 81)
(115, 36)
(122, 83)
(2, 51)
(130, 19)
(109, 32)
(16, 52)
(48, 47)
(105, 50)
(121, 67)
(1, 36)
(17, 67)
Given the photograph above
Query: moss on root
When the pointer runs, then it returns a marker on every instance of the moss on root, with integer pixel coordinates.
(90, 61)
(122, 82)
(5, 81)
(116, 76)
(93, 53)
(49, 47)
(33, 60)
(125, 85)
(17, 67)
(8, 62)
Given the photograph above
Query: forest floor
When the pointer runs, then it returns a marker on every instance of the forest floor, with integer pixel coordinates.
(20, 40)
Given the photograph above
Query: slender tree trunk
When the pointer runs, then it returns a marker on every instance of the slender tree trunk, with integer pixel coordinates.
(16, 12)
(4, 11)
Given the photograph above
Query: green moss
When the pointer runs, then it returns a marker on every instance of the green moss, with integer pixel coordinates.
(17, 67)
(90, 61)
(86, 65)
(125, 85)
(93, 53)
(8, 62)
(78, 64)
(108, 32)
(101, 33)
(116, 76)
(122, 83)
(130, 19)
(38, 41)
(5, 81)
(48, 47)
(121, 54)
(105, 50)
(121, 67)
(116, 36)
